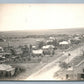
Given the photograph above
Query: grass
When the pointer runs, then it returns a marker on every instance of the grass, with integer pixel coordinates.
(20, 42)
(77, 60)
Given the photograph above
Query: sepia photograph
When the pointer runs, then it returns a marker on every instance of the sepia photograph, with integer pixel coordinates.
(42, 42)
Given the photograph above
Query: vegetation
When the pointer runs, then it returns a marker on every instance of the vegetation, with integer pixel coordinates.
(19, 69)
(18, 41)
(63, 65)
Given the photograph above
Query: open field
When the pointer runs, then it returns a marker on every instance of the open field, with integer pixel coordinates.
(20, 42)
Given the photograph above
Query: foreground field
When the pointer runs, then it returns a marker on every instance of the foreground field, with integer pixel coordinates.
(38, 70)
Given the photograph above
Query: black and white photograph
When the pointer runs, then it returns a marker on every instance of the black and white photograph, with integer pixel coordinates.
(42, 42)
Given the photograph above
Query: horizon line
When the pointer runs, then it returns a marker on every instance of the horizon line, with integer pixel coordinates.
(40, 29)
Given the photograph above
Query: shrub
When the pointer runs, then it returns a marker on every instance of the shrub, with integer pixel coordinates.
(63, 65)
(18, 69)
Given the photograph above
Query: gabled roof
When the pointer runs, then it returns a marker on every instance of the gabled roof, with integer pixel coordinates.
(40, 51)
(63, 42)
(5, 67)
(47, 46)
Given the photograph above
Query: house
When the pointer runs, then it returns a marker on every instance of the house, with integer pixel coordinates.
(53, 38)
(48, 50)
(38, 52)
(18, 51)
(76, 72)
(48, 47)
(75, 40)
(2, 40)
(34, 47)
(6, 70)
(2, 58)
(1, 49)
(83, 35)
(51, 41)
(64, 44)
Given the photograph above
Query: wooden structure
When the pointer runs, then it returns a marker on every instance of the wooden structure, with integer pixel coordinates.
(37, 52)
(48, 50)
(76, 73)
(6, 70)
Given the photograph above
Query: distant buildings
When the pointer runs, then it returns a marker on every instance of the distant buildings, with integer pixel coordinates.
(64, 43)
(2, 40)
(6, 70)
(48, 46)
(75, 72)
(1, 49)
(37, 52)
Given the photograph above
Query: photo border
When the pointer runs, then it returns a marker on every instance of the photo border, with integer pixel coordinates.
(39, 2)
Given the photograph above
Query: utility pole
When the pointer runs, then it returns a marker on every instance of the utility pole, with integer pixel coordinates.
(73, 70)
(30, 51)
(68, 60)
(8, 42)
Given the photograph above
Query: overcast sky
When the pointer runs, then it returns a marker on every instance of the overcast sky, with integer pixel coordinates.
(41, 16)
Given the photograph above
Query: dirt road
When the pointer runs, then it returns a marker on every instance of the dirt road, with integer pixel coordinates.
(47, 72)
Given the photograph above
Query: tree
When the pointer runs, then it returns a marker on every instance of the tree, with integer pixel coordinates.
(41, 44)
(13, 52)
(63, 65)
(82, 52)
(25, 50)
(55, 43)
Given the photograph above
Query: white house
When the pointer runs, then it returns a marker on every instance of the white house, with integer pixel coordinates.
(48, 50)
(48, 46)
(37, 52)
(53, 38)
(64, 43)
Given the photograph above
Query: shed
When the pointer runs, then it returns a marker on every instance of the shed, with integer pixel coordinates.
(6, 69)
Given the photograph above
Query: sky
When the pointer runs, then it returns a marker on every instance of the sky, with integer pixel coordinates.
(41, 16)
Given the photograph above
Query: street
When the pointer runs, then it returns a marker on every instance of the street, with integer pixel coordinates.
(47, 72)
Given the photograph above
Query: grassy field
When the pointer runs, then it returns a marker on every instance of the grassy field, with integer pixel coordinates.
(16, 38)
(20, 42)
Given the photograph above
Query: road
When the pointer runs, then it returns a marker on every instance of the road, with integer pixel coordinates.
(48, 71)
